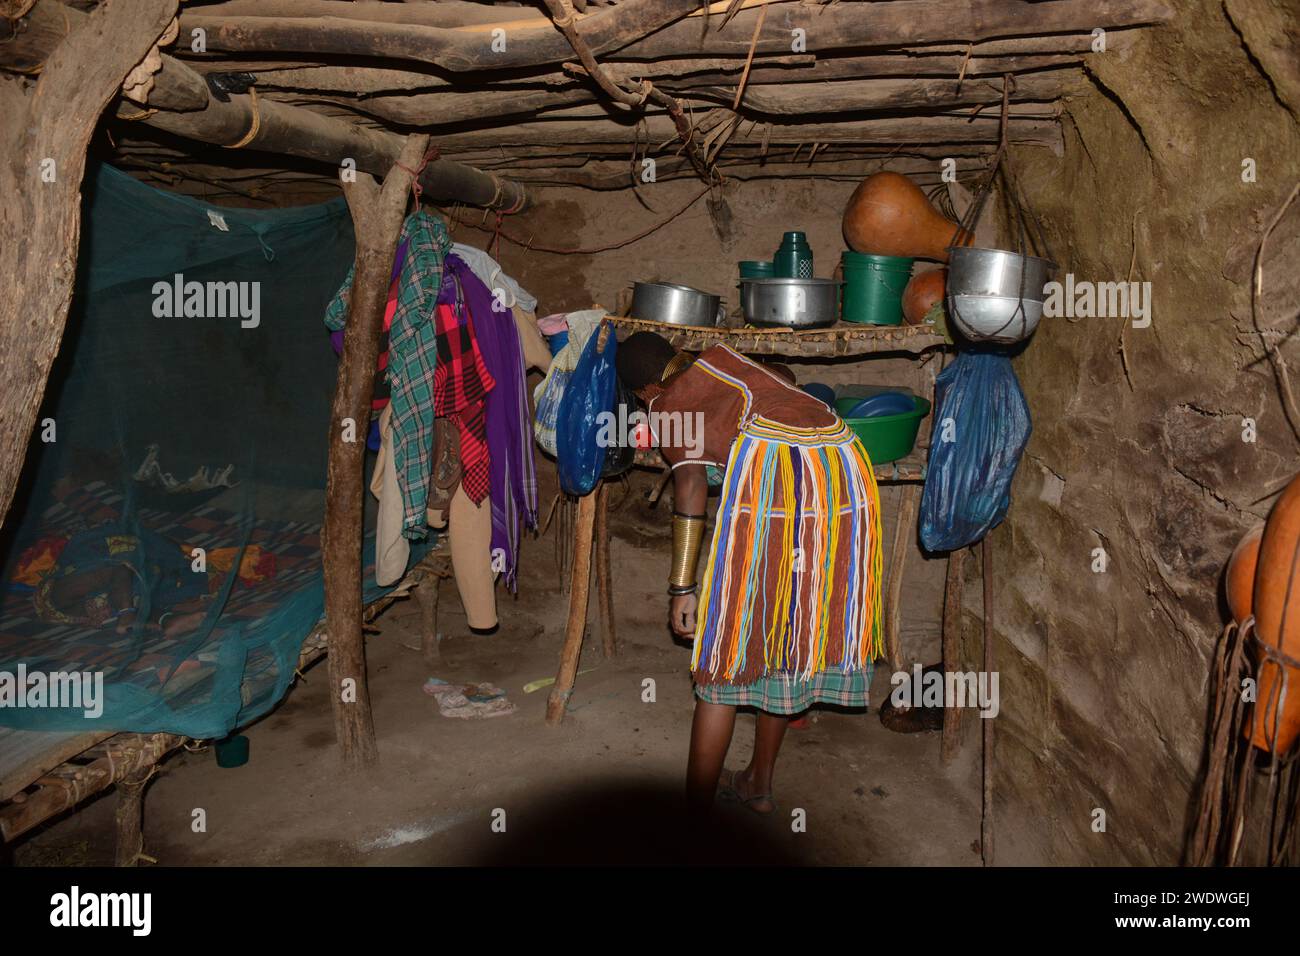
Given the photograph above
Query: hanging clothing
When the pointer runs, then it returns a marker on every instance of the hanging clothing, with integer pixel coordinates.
(469, 532)
(412, 356)
(512, 470)
(392, 548)
(791, 586)
(537, 354)
(491, 275)
(461, 383)
(382, 388)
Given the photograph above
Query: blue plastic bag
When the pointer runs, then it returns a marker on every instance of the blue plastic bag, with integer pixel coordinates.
(981, 427)
(589, 393)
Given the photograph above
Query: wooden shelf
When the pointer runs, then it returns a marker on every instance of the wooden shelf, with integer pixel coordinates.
(841, 339)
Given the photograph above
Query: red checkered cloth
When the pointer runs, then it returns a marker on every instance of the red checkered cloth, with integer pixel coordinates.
(460, 384)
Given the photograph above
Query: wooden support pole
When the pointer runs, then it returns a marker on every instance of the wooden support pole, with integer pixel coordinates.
(130, 816)
(583, 532)
(426, 593)
(377, 214)
(604, 581)
(986, 818)
(907, 496)
(46, 128)
(952, 601)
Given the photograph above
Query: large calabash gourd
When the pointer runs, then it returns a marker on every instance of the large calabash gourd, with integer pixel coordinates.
(1277, 622)
(888, 215)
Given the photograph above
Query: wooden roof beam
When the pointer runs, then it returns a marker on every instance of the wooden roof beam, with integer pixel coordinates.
(645, 28)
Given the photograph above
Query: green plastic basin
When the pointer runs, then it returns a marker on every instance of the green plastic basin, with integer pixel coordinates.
(886, 438)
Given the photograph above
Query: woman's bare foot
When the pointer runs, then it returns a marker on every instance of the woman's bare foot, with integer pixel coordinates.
(749, 795)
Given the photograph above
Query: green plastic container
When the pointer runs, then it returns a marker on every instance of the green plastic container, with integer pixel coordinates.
(756, 269)
(873, 288)
(886, 438)
(793, 258)
(232, 751)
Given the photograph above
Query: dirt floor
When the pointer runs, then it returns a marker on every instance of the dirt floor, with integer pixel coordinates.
(603, 787)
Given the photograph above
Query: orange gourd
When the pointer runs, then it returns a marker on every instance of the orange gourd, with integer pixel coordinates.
(922, 293)
(888, 215)
(1277, 623)
(1239, 579)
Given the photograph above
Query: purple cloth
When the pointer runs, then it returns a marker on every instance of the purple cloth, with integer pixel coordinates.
(512, 471)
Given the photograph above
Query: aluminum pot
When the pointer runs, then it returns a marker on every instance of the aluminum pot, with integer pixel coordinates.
(675, 304)
(791, 303)
(994, 295)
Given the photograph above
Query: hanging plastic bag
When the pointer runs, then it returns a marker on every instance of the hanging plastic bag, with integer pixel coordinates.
(588, 398)
(550, 391)
(981, 427)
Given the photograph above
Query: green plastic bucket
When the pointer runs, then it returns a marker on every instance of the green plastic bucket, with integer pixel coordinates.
(873, 287)
(886, 438)
(756, 269)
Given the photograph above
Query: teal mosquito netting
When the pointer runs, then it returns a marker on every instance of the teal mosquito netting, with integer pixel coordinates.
(166, 532)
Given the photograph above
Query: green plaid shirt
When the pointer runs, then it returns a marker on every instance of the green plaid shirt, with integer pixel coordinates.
(412, 357)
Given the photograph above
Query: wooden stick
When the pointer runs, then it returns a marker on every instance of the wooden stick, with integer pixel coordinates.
(749, 60)
(532, 44)
(986, 818)
(644, 29)
(377, 214)
(129, 816)
(583, 533)
(427, 594)
(952, 601)
(604, 580)
(907, 497)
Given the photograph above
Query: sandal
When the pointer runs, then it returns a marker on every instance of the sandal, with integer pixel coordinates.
(728, 793)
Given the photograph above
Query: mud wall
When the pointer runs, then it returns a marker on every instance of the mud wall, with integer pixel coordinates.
(1159, 445)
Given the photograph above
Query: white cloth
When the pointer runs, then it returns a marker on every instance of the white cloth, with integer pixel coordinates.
(489, 271)
(392, 549)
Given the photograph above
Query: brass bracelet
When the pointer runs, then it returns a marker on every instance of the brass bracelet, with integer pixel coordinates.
(688, 537)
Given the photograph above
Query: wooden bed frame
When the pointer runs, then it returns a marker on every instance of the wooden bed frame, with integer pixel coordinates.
(45, 774)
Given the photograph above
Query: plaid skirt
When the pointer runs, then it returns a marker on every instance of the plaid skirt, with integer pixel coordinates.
(786, 694)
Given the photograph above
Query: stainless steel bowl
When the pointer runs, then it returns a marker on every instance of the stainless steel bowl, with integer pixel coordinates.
(791, 303)
(994, 295)
(675, 304)
(995, 318)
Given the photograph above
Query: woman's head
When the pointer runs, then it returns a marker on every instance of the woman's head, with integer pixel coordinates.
(642, 359)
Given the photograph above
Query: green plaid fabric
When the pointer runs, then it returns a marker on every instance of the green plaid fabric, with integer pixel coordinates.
(781, 694)
(412, 358)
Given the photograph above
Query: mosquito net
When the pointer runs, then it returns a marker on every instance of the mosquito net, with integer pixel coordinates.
(162, 558)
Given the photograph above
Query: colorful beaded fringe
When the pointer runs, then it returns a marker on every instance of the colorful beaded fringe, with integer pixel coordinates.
(825, 608)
